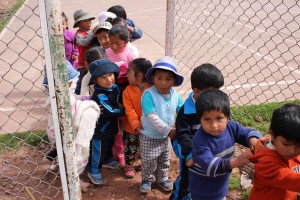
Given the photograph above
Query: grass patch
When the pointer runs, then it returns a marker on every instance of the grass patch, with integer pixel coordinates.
(15, 141)
(245, 194)
(234, 183)
(245, 115)
(10, 13)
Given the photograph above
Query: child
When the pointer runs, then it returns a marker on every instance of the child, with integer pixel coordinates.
(72, 77)
(84, 36)
(91, 55)
(84, 117)
(70, 44)
(277, 157)
(120, 53)
(119, 50)
(106, 17)
(132, 102)
(213, 146)
(160, 103)
(121, 21)
(106, 94)
(135, 33)
(101, 33)
(203, 77)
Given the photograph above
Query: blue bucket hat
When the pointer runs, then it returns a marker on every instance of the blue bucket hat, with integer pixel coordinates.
(101, 67)
(72, 74)
(166, 63)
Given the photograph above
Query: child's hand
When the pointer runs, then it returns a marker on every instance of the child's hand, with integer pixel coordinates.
(101, 109)
(130, 29)
(190, 162)
(172, 133)
(252, 143)
(248, 169)
(139, 129)
(74, 57)
(240, 160)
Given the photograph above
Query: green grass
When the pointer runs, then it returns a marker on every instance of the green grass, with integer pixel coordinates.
(234, 183)
(245, 194)
(245, 115)
(15, 141)
(9, 14)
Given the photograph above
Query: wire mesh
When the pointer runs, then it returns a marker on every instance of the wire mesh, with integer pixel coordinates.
(254, 43)
(24, 173)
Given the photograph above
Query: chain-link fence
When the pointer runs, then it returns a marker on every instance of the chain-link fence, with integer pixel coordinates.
(254, 43)
(24, 174)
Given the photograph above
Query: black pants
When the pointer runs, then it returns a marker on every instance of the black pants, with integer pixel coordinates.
(181, 185)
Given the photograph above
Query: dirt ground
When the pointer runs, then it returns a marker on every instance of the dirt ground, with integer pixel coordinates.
(23, 173)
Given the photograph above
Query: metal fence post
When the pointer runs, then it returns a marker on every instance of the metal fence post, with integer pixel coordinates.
(170, 27)
(50, 12)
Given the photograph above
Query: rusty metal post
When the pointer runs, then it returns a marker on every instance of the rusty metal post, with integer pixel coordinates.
(50, 13)
(170, 27)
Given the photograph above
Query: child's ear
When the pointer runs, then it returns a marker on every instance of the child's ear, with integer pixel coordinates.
(140, 76)
(196, 90)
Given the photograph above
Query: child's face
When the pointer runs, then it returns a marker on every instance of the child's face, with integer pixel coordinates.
(131, 75)
(163, 81)
(103, 38)
(116, 44)
(105, 80)
(214, 122)
(64, 23)
(85, 24)
(285, 148)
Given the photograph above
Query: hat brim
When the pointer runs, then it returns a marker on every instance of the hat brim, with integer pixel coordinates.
(104, 70)
(81, 19)
(99, 28)
(179, 78)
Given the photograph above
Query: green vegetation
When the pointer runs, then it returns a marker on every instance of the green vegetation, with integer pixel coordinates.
(245, 194)
(16, 140)
(234, 183)
(246, 115)
(4, 19)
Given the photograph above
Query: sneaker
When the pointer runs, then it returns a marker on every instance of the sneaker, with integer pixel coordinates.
(111, 165)
(166, 185)
(129, 171)
(145, 186)
(96, 178)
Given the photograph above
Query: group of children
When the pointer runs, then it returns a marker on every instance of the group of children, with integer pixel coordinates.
(141, 111)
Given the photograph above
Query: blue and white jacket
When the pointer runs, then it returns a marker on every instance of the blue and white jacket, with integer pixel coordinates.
(166, 109)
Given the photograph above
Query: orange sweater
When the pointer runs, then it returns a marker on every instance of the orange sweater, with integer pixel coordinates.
(132, 102)
(275, 177)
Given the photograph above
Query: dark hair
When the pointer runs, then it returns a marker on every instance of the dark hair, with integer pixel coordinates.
(285, 122)
(93, 54)
(119, 30)
(119, 11)
(119, 20)
(63, 15)
(206, 76)
(140, 65)
(212, 100)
